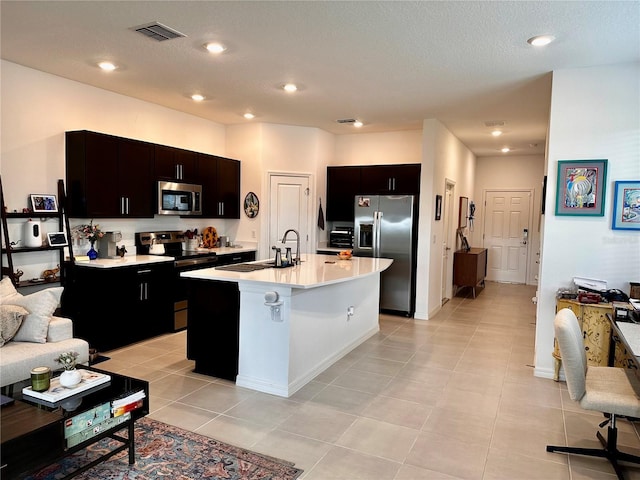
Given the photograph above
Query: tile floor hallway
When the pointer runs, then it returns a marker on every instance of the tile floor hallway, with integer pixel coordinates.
(453, 397)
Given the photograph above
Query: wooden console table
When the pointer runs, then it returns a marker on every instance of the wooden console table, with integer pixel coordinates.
(470, 268)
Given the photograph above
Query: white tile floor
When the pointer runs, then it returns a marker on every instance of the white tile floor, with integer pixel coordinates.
(453, 397)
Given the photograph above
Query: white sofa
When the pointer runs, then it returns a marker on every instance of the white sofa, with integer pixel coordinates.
(18, 358)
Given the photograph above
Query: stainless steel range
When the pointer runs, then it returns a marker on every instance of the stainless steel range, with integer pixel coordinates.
(170, 243)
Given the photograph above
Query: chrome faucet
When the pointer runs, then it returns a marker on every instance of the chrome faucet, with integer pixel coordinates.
(284, 239)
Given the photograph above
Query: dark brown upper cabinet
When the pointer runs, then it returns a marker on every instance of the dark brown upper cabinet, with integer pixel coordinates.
(344, 183)
(391, 179)
(220, 179)
(108, 176)
(175, 164)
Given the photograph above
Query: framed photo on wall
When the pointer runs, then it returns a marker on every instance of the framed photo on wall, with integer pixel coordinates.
(626, 205)
(43, 203)
(581, 187)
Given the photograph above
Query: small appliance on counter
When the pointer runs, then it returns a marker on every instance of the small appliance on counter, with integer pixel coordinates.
(31, 233)
(108, 247)
(341, 237)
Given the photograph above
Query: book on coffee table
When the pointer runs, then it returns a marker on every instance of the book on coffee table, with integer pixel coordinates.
(57, 392)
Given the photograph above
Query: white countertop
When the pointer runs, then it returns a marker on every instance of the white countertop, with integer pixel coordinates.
(133, 260)
(126, 261)
(314, 271)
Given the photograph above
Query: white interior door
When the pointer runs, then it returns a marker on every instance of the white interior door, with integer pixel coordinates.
(506, 235)
(289, 208)
(447, 237)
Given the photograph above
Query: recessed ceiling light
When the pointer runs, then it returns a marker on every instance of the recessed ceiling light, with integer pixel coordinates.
(196, 97)
(505, 150)
(541, 40)
(496, 133)
(107, 66)
(357, 124)
(290, 87)
(215, 47)
(249, 116)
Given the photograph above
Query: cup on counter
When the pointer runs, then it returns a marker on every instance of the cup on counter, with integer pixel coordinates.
(40, 379)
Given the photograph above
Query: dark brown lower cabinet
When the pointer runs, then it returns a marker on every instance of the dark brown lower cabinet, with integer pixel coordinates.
(213, 327)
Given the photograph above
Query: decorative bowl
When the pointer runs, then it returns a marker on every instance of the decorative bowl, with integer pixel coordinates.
(344, 255)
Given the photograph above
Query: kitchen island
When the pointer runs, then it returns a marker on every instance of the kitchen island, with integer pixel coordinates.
(293, 322)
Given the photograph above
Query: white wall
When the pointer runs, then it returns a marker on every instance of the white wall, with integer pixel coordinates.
(269, 148)
(444, 158)
(524, 172)
(595, 113)
(378, 148)
(37, 108)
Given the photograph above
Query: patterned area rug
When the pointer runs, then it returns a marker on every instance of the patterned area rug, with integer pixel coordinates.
(164, 451)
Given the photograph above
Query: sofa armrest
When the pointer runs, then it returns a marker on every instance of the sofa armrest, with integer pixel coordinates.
(60, 329)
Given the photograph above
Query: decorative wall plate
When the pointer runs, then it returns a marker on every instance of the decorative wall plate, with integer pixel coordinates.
(251, 205)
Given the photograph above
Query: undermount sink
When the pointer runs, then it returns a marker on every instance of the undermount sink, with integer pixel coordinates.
(251, 267)
(244, 267)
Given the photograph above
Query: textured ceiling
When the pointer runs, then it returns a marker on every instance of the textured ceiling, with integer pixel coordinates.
(389, 64)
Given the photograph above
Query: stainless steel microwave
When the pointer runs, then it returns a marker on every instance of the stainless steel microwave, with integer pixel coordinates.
(175, 198)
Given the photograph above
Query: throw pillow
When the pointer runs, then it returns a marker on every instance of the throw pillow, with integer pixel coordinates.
(11, 317)
(6, 289)
(41, 306)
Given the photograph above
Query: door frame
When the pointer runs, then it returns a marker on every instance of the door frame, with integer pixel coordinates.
(266, 220)
(531, 192)
(446, 273)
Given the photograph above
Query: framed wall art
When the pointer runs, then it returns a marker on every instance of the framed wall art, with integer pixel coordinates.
(462, 213)
(626, 205)
(43, 203)
(438, 207)
(581, 187)
(251, 205)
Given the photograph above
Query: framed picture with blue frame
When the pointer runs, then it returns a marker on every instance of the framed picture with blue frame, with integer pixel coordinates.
(581, 187)
(626, 205)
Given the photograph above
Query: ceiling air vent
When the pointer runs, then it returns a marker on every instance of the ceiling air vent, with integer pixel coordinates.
(158, 32)
(494, 123)
(346, 120)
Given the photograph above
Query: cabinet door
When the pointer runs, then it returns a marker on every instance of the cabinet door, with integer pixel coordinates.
(213, 331)
(391, 179)
(343, 184)
(229, 187)
(220, 178)
(152, 307)
(596, 331)
(175, 164)
(208, 177)
(92, 174)
(135, 182)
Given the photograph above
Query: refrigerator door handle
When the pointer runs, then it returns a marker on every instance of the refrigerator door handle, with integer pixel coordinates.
(376, 234)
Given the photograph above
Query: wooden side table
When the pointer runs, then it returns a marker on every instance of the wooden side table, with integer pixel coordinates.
(470, 268)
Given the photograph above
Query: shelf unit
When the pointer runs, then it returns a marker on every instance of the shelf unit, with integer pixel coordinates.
(63, 225)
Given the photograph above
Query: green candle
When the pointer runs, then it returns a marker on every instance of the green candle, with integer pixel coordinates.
(40, 379)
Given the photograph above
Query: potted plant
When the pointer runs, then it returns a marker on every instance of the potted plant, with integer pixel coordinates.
(70, 377)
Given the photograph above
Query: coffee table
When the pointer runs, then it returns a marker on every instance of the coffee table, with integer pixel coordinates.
(35, 435)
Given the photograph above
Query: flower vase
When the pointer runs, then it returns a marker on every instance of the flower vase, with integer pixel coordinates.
(92, 254)
(70, 378)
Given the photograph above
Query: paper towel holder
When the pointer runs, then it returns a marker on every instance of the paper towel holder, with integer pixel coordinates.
(272, 300)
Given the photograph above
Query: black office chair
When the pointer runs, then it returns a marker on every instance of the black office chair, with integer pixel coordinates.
(613, 391)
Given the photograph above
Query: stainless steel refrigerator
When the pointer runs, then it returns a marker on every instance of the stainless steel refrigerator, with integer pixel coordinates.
(386, 226)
